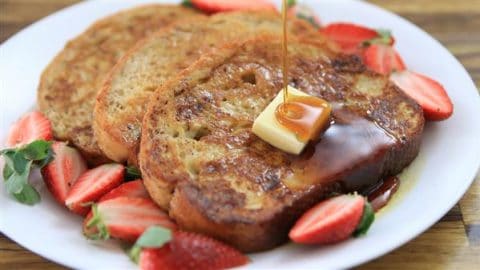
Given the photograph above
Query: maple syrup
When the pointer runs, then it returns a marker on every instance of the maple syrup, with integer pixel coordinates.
(353, 150)
(306, 116)
(381, 195)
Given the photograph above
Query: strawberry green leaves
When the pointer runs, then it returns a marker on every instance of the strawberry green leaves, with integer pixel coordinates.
(154, 236)
(187, 3)
(291, 3)
(18, 164)
(132, 173)
(101, 231)
(366, 221)
(384, 37)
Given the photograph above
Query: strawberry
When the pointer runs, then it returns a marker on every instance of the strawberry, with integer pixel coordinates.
(61, 173)
(128, 189)
(333, 220)
(349, 37)
(92, 185)
(124, 218)
(32, 126)
(383, 37)
(213, 6)
(191, 251)
(426, 92)
(383, 59)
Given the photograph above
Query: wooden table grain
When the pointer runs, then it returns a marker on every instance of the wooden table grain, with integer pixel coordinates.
(452, 243)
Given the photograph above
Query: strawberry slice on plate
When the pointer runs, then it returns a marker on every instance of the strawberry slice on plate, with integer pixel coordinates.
(383, 59)
(92, 185)
(30, 127)
(348, 36)
(213, 6)
(429, 94)
(128, 189)
(124, 218)
(60, 174)
(333, 220)
(191, 251)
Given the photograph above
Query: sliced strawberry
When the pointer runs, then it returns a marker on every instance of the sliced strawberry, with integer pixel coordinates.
(348, 36)
(383, 59)
(383, 37)
(212, 6)
(32, 126)
(191, 251)
(330, 221)
(124, 218)
(426, 92)
(63, 171)
(128, 189)
(92, 185)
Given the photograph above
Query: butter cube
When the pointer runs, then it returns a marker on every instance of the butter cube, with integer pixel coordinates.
(270, 130)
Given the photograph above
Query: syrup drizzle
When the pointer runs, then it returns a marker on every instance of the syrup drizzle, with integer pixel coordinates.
(284, 51)
(381, 195)
(306, 116)
(353, 150)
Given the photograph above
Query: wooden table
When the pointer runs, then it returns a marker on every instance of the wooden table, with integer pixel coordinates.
(453, 243)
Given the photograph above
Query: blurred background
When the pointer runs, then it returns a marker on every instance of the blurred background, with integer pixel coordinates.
(453, 243)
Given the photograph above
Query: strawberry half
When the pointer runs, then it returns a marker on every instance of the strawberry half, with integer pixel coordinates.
(426, 92)
(124, 218)
(348, 36)
(191, 251)
(129, 189)
(213, 6)
(32, 126)
(383, 59)
(92, 185)
(330, 221)
(63, 171)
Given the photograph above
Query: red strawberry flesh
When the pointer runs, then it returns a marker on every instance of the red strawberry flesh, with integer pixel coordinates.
(191, 251)
(349, 36)
(129, 189)
(30, 127)
(383, 59)
(212, 6)
(330, 221)
(92, 185)
(429, 94)
(63, 171)
(126, 218)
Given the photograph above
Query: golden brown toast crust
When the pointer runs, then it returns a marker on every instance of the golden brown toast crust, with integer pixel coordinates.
(200, 160)
(121, 104)
(69, 84)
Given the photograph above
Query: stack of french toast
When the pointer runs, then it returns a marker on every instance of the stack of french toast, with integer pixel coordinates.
(174, 92)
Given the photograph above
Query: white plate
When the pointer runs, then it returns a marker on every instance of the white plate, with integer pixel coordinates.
(449, 157)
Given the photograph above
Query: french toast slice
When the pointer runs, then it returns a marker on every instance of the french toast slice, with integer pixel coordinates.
(69, 84)
(121, 104)
(201, 162)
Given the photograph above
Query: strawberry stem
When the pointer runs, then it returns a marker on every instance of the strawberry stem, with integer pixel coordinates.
(366, 221)
(97, 223)
(383, 37)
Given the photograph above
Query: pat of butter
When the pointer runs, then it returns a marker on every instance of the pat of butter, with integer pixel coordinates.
(270, 130)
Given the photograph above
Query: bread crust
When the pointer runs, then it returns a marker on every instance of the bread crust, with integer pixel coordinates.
(69, 84)
(121, 104)
(200, 161)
